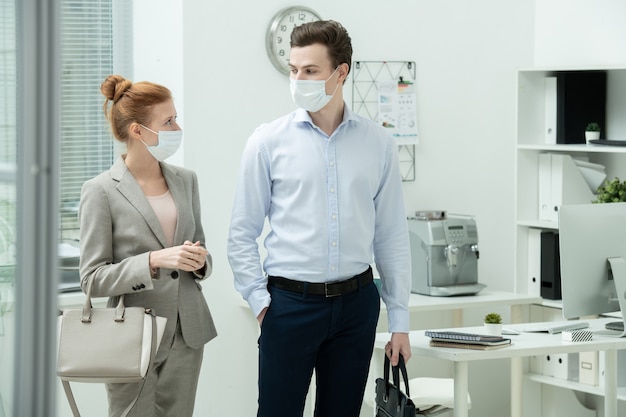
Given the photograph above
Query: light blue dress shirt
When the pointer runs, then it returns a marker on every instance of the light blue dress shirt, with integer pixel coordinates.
(333, 204)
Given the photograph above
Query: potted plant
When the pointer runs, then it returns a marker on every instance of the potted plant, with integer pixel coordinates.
(592, 131)
(493, 324)
(613, 191)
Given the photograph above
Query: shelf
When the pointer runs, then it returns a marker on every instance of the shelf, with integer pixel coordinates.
(572, 148)
(539, 224)
(576, 386)
(549, 70)
(552, 303)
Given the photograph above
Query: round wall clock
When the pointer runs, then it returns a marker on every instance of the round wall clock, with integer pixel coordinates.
(278, 35)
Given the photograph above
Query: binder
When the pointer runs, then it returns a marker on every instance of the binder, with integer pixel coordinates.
(548, 366)
(560, 182)
(536, 364)
(581, 98)
(550, 110)
(534, 262)
(588, 368)
(560, 365)
(550, 266)
(621, 361)
(545, 187)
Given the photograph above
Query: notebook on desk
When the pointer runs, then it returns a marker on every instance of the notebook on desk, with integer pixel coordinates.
(465, 337)
(461, 340)
(467, 345)
(552, 327)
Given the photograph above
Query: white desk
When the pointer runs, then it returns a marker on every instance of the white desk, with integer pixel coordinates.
(524, 345)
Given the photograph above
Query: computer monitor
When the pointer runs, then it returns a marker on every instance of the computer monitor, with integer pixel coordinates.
(592, 247)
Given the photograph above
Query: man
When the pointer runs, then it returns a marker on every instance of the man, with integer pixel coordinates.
(329, 184)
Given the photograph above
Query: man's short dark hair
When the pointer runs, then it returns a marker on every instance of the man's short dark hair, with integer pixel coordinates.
(329, 33)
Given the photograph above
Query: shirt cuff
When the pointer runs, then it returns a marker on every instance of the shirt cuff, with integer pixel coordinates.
(398, 321)
(258, 300)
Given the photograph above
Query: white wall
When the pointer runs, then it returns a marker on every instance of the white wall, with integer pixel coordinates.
(158, 51)
(580, 33)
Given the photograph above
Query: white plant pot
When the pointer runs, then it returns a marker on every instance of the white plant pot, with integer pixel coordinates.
(591, 135)
(493, 329)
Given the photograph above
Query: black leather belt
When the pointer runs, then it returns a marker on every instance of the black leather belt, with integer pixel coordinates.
(328, 289)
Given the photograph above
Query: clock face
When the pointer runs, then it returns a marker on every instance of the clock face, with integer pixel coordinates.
(279, 34)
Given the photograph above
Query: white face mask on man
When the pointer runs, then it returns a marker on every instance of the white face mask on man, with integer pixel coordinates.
(310, 95)
(168, 143)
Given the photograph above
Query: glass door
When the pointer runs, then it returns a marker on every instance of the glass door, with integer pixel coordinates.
(8, 164)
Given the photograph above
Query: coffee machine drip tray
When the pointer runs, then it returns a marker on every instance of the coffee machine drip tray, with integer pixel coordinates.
(452, 290)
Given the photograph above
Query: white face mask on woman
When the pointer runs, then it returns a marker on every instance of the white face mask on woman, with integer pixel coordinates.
(311, 94)
(168, 143)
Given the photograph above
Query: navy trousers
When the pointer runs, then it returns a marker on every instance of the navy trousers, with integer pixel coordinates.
(333, 336)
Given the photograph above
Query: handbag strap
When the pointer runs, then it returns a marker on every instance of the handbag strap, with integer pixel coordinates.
(153, 349)
(87, 307)
(395, 371)
(401, 367)
(70, 398)
(386, 376)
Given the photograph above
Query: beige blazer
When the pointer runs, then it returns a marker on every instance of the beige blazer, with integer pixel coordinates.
(118, 229)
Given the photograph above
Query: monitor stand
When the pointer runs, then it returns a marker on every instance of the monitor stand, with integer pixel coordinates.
(618, 268)
(617, 326)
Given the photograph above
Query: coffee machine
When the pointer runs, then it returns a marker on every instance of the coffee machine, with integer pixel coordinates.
(444, 254)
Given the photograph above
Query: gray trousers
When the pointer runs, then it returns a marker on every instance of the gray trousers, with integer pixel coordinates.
(170, 386)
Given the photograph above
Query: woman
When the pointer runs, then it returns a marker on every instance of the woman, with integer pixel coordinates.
(141, 236)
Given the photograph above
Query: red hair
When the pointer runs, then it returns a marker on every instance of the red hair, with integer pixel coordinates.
(130, 102)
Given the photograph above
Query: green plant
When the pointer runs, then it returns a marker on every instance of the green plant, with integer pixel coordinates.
(611, 192)
(493, 318)
(593, 127)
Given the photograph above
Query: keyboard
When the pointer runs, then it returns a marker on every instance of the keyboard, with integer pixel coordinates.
(553, 327)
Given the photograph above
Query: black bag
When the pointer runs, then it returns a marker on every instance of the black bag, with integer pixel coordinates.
(390, 400)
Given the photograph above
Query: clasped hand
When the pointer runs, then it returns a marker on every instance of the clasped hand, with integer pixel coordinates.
(187, 257)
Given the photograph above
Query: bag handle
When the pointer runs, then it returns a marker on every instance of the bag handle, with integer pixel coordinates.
(395, 370)
(87, 307)
(386, 376)
(401, 367)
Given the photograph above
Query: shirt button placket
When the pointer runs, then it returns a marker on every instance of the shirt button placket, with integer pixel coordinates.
(333, 207)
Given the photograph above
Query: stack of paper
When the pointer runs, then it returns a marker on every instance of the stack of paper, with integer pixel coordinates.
(594, 174)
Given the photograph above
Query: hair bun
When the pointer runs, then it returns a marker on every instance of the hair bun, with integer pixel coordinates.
(114, 87)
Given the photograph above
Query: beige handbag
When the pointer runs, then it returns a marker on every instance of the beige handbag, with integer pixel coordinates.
(113, 344)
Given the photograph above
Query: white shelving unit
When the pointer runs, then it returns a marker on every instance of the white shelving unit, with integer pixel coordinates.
(530, 144)
(563, 383)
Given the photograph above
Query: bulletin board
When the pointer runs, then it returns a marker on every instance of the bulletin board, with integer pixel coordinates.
(385, 91)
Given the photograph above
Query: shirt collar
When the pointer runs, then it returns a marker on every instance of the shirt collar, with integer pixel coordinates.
(301, 115)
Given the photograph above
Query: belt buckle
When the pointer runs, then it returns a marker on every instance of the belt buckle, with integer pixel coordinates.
(326, 284)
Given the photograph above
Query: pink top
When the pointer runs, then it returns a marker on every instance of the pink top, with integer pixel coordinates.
(165, 210)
